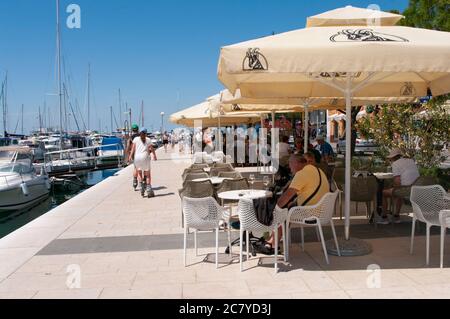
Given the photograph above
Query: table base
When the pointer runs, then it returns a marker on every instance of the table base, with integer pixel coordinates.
(349, 248)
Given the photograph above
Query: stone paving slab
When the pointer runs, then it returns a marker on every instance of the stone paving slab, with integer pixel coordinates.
(128, 247)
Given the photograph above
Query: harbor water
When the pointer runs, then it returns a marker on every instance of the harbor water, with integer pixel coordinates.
(11, 221)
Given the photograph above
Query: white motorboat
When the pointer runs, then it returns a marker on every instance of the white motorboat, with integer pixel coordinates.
(20, 186)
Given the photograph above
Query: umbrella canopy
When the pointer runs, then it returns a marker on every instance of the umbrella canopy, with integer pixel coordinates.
(353, 16)
(236, 103)
(203, 112)
(315, 62)
(340, 61)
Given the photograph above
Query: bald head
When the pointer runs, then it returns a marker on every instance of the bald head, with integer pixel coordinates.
(297, 163)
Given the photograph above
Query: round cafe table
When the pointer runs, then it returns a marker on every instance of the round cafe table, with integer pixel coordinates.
(214, 180)
(246, 194)
(384, 176)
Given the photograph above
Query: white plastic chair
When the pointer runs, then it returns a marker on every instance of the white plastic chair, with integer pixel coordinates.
(250, 224)
(315, 216)
(427, 203)
(218, 157)
(199, 157)
(445, 222)
(203, 214)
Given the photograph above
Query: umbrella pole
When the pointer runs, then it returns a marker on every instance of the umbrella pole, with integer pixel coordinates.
(273, 148)
(348, 246)
(306, 127)
(348, 156)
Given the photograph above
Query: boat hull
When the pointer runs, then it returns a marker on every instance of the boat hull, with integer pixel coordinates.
(13, 198)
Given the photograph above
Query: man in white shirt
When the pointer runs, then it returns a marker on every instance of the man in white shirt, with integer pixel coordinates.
(284, 151)
(405, 173)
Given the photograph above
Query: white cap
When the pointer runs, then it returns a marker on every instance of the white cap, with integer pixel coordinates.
(394, 153)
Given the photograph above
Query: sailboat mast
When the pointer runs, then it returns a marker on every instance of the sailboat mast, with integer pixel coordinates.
(120, 108)
(142, 112)
(40, 119)
(112, 130)
(22, 120)
(5, 103)
(89, 98)
(58, 44)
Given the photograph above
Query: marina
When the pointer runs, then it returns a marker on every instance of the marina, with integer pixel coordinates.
(300, 152)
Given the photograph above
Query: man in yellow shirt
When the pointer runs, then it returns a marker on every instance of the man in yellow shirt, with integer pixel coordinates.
(309, 185)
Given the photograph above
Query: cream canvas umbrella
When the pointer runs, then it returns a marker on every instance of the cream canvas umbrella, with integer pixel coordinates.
(340, 61)
(233, 104)
(202, 112)
(353, 16)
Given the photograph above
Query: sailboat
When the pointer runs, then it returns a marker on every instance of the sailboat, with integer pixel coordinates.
(20, 186)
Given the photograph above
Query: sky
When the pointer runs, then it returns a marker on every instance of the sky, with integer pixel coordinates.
(161, 52)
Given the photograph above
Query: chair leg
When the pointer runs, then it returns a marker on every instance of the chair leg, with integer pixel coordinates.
(428, 244)
(413, 235)
(217, 248)
(241, 250)
(303, 239)
(229, 242)
(443, 232)
(185, 245)
(341, 194)
(285, 246)
(247, 244)
(195, 243)
(322, 239)
(368, 210)
(335, 239)
(276, 250)
(357, 208)
(318, 234)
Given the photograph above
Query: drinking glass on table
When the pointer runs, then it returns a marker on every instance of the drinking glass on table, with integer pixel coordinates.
(251, 180)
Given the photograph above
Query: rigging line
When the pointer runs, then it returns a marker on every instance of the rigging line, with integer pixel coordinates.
(81, 114)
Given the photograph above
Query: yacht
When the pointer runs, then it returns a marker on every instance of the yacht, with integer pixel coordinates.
(20, 186)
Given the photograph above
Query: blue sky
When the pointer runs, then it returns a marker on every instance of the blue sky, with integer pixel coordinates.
(164, 52)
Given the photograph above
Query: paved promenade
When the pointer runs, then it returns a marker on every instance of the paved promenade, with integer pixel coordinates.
(110, 243)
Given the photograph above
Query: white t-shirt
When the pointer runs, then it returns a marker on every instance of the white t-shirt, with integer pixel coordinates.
(407, 170)
(142, 148)
(284, 149)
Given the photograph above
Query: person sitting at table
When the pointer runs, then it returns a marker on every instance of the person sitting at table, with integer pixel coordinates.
(307, 188)
(405, 173)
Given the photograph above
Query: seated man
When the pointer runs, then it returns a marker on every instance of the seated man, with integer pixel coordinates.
(405, 174)
(326, 150)
(307, 188)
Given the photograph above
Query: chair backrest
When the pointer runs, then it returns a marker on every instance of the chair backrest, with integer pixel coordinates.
(233, 185)
(199, 166)
(218, 156)
(324, 210)
(192, 171)
(198, 157)
(223, 165)
(197, 189)
(215, 171)
(339, 177)
(428, 201)
(193, 176)
(364, 189)
(426, 181)
(201, 211)
(234, 175)
(248, 220)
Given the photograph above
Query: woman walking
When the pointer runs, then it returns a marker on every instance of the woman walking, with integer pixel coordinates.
(142, 150)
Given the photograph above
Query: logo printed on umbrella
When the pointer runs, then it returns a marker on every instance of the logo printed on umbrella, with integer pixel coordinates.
(235, 108)
(408, 89)
(365, 35)
(255, 61)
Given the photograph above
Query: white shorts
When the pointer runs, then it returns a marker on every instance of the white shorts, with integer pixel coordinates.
(143, 163)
